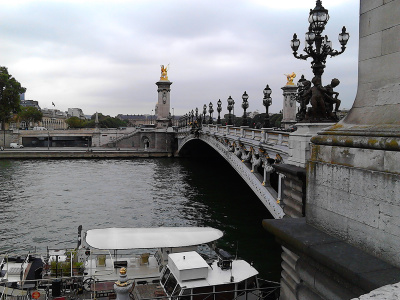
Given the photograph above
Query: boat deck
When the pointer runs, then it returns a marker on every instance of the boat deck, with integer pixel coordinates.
(137, 268)
(148, 291)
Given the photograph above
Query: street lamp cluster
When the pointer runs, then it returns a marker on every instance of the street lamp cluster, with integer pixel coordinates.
(318, 47)
(193, 118)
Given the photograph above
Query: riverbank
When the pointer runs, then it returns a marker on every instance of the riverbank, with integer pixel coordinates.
(81, 152)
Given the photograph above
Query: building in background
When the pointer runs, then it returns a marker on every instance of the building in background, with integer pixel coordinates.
(137, 120)
(54, 119)
(30, 103)
(76, 112)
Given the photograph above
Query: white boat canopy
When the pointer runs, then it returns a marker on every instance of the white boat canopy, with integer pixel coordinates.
(158, 237)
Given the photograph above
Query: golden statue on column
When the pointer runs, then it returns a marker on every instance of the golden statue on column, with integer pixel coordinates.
(290, 78)
(164, 75)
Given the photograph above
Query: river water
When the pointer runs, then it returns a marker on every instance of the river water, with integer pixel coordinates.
(44, 201)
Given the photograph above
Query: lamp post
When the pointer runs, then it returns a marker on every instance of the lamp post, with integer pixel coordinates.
(319, 47)
(204, 113)
(219, 108)
(267, 101)
(230, 106)
(173, 117)
(197, 115)
(192, 117)
(210, 110)
(245, 105)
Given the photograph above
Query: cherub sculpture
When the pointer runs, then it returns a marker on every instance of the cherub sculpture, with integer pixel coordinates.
(321, 98)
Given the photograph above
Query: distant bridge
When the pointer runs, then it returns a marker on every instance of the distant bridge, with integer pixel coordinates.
(251, 152)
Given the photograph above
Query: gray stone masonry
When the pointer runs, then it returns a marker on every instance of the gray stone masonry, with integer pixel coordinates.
(328, 267)
(289, 105)
(349, 242)
(164, 99)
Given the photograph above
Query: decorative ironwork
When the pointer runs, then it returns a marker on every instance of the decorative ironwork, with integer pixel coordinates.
(219, 108)
(210, 110)
(318, 48)
(245, 105)
(267, 101)
(230, 107)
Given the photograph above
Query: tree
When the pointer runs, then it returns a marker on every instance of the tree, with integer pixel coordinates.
(75, 122)
(275, 120)
(10, 89)
(30, 114)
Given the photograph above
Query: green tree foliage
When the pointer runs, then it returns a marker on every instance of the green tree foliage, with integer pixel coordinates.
(104, 122)
(75, 122)
(107, 121)
(30, 114)
(10, 89)
(275, 120)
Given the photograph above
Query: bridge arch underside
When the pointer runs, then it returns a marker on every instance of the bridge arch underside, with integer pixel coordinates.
(264, 184)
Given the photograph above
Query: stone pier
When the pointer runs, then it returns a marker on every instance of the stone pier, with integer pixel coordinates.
(348, 242)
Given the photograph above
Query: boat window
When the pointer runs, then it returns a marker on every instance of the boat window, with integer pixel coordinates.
(251, 283)
(176, 292)
(185, 294)
(241, 287)
(201, 293)
(170, 284)
(165, 276)
(225, 291)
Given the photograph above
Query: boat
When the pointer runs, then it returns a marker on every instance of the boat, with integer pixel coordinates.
(158, 263)
(142, 251)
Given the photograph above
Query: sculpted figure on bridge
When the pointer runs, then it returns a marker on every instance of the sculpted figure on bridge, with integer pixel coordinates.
(164, 70)
(290, 78)
(321, 99)
(246, 157)
(231, 148)
(256, 161)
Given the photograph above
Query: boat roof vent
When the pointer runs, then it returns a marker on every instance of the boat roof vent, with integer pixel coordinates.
(224, 259)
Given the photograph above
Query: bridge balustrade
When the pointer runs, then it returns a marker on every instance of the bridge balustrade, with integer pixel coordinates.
(267, 136)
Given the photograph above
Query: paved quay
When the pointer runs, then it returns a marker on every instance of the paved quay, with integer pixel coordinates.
(80, 152)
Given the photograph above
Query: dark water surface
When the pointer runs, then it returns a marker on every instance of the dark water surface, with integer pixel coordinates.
(44, 201)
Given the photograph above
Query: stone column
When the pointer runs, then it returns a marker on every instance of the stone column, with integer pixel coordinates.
(348, 242)
(163, 103)
(289, 105)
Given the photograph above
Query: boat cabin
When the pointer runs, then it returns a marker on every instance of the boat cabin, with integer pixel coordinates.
(188, 276)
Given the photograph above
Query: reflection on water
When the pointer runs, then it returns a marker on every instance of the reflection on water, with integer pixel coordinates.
(44, 201)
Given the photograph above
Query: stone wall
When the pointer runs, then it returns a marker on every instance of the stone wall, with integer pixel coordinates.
(353, 194)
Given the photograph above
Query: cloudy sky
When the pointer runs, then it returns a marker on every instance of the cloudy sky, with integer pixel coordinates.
(105, 55)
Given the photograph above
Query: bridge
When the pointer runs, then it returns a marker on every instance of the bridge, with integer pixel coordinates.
(252, 153)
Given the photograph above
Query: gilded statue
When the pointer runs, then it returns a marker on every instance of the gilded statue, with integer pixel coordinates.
(164, 75)
(290, 78)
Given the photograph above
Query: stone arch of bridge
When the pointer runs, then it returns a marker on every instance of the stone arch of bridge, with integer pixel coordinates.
(265, 192)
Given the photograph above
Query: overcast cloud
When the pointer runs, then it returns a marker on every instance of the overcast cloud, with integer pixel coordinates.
(105, 56)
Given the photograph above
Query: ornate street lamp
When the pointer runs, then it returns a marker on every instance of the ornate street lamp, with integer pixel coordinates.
(197, 114)
(210, 110)
(319, 47)
(219, 108)
(245, 105)
(204, 113)
(192, 117)
(267, 101)
(230, 106)
(186, 119)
